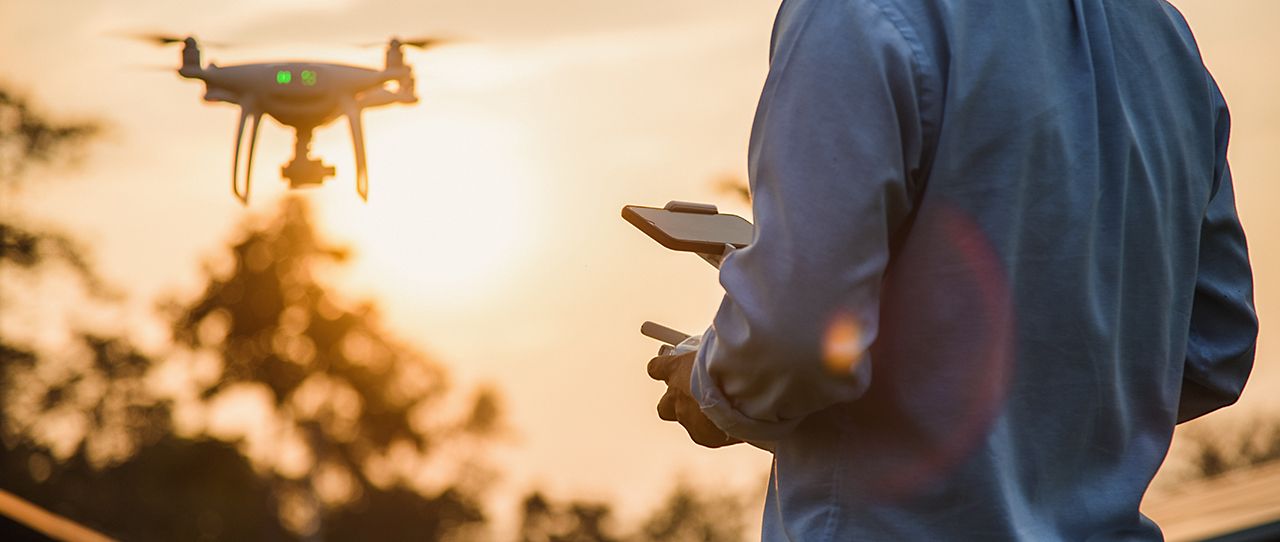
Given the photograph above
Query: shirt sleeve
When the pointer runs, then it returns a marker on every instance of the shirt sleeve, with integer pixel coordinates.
(1224, 325)
(838, 138)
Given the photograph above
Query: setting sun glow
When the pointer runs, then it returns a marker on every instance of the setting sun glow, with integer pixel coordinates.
(444, 221)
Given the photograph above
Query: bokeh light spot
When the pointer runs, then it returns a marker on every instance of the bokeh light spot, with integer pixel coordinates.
(842, 344)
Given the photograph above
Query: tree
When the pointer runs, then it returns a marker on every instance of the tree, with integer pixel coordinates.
(364, 443)
(29, 138)
(686, 515)
(368, 412)
(378, 444)
(1214, 451)
(340, 431)
(733, 186)
(690, 515)
(545, 520)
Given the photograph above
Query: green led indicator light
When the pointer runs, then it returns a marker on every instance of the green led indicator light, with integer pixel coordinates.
(283, 77)
(308, 78)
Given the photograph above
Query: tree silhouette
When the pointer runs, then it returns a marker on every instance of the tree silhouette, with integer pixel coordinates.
(1214, 451)
(364, 443)
(368, 412)
(733, 186)
(29, 138)
(380, 449)
(690, 515)
(278, 410)
(686, 515)
(544, 520)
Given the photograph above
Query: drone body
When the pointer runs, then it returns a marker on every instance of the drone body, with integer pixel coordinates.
(304, 96)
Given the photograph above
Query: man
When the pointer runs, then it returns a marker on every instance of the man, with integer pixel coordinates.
(997, 259)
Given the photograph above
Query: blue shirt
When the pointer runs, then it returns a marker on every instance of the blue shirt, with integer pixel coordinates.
(997, 259)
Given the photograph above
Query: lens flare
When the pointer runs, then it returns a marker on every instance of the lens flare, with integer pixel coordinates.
(943, 359)
(842, 345)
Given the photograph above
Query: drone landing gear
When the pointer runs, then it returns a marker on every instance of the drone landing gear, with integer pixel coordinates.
(303, 170)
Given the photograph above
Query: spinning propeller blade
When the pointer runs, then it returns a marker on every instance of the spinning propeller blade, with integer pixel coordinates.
(155, 38)
(150, 68)
(161, 39)
(418, 43)
(425, 43)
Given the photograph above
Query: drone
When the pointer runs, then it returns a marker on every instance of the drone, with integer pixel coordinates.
(304, 96)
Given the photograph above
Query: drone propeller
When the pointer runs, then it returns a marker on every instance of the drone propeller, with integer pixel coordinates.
(417, 43)
(424, 43)
(149, 68)
(157, 39)
(161, 40)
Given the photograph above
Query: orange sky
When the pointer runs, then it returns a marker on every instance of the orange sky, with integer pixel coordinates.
(492, 237)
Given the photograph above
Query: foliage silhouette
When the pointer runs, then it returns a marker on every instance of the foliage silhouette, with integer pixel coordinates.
(367, 417)
(28, 138)
(687, 515)
(1216, 451)
(377, 446)
(578, 521)
(733, 186)
(369, 412)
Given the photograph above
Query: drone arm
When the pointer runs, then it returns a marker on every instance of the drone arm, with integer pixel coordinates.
(382, 96)
(221, 95)
(245, 113)
(352, 111)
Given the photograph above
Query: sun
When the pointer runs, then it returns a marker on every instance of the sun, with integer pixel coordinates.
(452, 210)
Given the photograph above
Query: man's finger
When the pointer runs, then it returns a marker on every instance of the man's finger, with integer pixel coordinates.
(688, 413)
(661, 366)
(700, 429)
(667, 405)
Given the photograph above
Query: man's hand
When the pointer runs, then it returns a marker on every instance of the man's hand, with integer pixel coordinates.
(678, 404)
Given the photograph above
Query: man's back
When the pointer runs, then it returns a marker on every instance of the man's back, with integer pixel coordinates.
(1063, 271)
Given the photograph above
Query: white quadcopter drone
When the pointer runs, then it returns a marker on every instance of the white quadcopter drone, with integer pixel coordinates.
(305, 96)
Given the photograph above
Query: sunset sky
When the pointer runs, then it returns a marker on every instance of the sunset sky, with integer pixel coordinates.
(492, 238)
